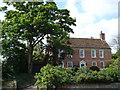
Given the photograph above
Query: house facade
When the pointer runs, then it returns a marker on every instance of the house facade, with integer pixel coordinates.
(89, 52)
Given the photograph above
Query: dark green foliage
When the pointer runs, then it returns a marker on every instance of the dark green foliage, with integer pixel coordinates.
(107, 75)
(55, 76)
(75, 68)
(30, 23)
(115, 63)
(113, 73)
(14, 54)
(94, 68)
(7, 71)
(118, 53)
(59, 48)
(114, 56)
(52, 76)
(24, 80)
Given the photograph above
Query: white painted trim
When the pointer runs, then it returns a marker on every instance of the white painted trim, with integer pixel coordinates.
(82, 62)
(69, 62)
(62, 64)
(93, 62)
(103, 64)
(83, 53)
(102, 53)
(94, 53)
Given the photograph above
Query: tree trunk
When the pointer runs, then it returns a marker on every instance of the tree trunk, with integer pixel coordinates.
(55, 56)
(30, 56)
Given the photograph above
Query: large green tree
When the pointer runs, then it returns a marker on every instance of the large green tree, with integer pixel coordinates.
(30, 22)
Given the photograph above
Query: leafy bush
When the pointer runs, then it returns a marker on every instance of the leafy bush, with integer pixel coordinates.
(81, 70)
(55, 76)
(106, 75)
(114, 73)
(7, 71)
(94, 68)
(52, 76)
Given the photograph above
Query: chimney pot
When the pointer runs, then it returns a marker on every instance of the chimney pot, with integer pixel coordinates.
(102, 36)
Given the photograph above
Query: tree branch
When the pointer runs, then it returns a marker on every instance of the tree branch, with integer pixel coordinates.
(37, 41)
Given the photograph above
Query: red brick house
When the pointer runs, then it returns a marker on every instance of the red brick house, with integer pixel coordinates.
(89, 52)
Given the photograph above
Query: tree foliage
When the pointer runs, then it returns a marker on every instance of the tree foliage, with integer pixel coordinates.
(30, 23)
(58, 48)
(48, 75)
(94, 68)
(46, 78)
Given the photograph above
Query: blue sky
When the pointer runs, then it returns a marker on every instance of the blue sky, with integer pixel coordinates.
(92, 16)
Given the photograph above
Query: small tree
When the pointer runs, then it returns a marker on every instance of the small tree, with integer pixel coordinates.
(58, 47)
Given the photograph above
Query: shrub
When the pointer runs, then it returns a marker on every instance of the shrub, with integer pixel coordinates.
(52, 76)
(114, 73)
(55, 76)
(91, 77)
(103, 77)
(94, 68)
(81, 70)
(7, 71)
(80, 78)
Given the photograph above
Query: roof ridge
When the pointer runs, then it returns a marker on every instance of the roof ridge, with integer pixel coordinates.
(88, 42)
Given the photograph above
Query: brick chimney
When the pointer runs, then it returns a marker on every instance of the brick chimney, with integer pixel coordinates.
(102, 36)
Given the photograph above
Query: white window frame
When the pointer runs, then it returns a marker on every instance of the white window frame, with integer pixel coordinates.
(58, 52)
(83, 53)
(102, 53)
(93, 50)
(94, 62)
(103, 64)
(82, 62)
(62, 64)
(70, 62)
(69, 55)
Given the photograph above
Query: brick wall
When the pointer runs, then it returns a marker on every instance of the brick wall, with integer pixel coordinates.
(88, 59)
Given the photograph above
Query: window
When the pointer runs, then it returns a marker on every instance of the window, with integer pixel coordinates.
(69, 55)
(69, 64)
(94, 63)
(93, 53)
(61, 64)
(60, 52)
(101, 53)
(101, 64)
(82, 55)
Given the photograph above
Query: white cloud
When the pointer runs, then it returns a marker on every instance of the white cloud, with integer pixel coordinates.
(71, 6)
(93, 19)
(100, 8)
(109, 27)
(2, 16)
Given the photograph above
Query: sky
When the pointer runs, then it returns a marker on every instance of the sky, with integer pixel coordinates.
(92, 16)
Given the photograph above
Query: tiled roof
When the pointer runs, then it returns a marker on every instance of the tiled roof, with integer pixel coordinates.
(88, 43)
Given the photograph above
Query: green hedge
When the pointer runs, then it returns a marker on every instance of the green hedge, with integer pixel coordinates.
(55, 76)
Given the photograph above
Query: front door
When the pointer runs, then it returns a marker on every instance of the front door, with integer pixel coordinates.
(82, 63)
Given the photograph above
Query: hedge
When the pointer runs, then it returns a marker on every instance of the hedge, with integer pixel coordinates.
(55, 76)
